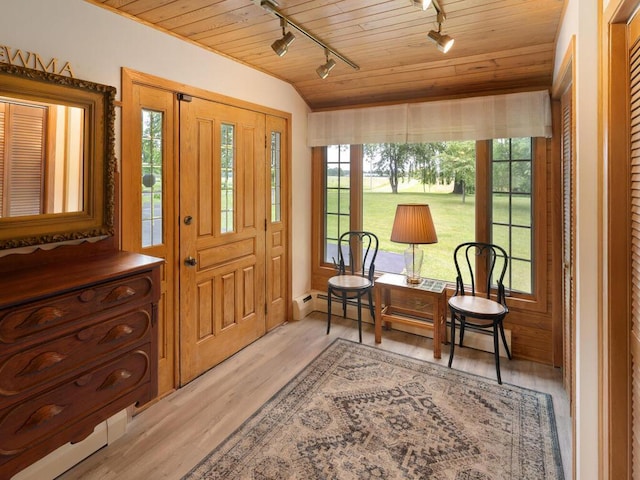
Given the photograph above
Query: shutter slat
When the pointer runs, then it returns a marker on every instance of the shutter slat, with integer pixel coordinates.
(634, 132)
(25, 152)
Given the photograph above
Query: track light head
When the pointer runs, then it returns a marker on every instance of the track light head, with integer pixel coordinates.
(423, 4)
(444, 42)
(281, 46)
(324, 69)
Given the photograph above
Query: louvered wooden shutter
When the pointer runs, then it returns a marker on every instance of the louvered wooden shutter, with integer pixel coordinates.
(23, 147)
(634, 76)
(3, 175)
(568, 242)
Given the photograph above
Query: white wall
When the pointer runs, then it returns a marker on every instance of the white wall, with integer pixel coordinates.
(97, 43)
(581, 20)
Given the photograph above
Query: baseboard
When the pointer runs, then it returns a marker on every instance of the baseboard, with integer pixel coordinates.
(68, 455)
(305, 304)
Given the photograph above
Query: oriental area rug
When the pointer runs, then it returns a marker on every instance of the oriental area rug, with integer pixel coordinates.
(358, 412)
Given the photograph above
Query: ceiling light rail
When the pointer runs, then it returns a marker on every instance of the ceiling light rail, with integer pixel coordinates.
(272, 7)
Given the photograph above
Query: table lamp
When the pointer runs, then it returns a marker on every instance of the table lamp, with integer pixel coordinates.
(413, 225)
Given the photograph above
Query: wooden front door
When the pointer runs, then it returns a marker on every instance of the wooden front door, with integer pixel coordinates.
(222, 232)
(205, 186)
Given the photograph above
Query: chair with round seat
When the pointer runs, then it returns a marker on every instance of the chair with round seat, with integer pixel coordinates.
(357, 251)
(479, 303)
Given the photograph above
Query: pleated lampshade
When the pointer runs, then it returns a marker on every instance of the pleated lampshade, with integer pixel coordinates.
(413, 224)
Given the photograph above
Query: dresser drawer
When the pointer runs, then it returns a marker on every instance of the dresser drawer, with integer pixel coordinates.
(40, 317)
(31, 422)
(41, 366)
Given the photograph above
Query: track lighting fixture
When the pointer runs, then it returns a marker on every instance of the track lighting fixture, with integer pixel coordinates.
(444, 42)
(281, 46)
(423, 4)
(324, 69)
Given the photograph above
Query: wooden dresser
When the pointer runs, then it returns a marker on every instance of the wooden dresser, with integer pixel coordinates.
(78, 343)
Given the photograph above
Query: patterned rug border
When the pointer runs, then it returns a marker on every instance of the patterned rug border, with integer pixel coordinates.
(425, 366)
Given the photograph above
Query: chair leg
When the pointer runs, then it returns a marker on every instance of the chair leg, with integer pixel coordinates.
(504, 340)
(328, 311)
(371, 306)
(496, 352)
(462, 325)
(344, 305)
(453, 337)
(360, 318)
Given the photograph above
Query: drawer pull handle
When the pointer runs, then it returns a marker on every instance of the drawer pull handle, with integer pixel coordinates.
(87, 295)
(42, 362)
(83, 380)
(117, 333)
(40, 416)
(115, 378)
(41, 317)
(119, 293)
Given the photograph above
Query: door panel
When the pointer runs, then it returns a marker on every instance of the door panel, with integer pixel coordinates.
(146, 210)
(277, 222)
(222, 248)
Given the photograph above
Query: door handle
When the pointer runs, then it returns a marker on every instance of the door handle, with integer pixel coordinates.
(190, 262)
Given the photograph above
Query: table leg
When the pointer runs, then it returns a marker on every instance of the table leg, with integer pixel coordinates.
(386, 296)
(443, 314)
(378, 309)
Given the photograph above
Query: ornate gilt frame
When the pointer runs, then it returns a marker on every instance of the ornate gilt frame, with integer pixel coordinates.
(97, 219)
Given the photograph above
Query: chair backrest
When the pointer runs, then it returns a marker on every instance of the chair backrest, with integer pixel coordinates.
(468, 257)
(357, 251)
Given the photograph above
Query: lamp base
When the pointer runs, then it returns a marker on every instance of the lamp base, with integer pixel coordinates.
(413, 256)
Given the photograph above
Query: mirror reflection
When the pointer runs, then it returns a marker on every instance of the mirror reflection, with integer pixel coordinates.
(41, 164)
(57, 160)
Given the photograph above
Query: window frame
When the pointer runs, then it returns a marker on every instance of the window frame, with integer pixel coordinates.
(509, 224)
(536, 301)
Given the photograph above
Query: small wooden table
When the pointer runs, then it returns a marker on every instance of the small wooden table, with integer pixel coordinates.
(431, 290)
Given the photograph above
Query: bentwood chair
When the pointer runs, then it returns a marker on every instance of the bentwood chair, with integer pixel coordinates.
(479, 301)
(357, 251)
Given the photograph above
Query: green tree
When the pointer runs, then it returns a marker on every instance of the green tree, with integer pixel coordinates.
(426, 162)
(389, 159)
(459, 165)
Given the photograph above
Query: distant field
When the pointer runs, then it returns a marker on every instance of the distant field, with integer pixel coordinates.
(454, 221)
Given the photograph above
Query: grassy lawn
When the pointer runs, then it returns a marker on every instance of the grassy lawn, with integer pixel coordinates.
(454, 222)
(453, 219)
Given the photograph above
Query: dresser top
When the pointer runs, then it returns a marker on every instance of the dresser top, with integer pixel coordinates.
(61, 276)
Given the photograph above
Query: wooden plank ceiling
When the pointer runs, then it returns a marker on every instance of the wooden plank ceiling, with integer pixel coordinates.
(500, 45)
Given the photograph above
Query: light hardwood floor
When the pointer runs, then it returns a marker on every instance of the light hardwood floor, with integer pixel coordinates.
(167, 439)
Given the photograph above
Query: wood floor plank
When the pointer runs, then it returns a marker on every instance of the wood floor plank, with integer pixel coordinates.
(167, 439)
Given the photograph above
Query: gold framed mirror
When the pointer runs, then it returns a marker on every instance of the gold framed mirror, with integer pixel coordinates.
(57, 158)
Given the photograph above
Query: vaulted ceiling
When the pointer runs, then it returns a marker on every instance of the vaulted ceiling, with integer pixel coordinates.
(500, 45)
